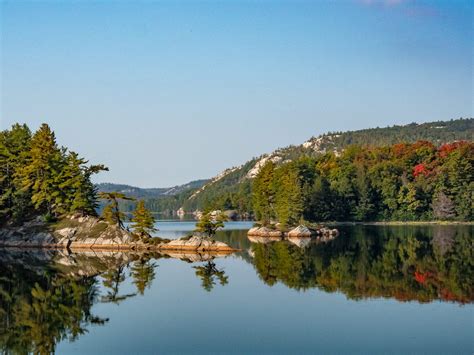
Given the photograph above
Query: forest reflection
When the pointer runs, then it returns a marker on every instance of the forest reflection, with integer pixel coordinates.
(407, 264)
(47, 296)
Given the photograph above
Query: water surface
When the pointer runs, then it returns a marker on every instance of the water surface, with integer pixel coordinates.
(371, 290)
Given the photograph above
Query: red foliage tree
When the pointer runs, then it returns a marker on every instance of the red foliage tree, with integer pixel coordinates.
(420, 169)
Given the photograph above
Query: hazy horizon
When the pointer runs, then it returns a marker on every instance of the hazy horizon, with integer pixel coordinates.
(166, 93)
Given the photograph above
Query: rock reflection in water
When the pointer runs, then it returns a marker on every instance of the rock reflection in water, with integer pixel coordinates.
(46, 296)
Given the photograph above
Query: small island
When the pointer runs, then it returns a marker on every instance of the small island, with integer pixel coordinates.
(49, 201)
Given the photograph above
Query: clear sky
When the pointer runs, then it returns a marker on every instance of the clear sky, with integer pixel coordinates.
(166, 92)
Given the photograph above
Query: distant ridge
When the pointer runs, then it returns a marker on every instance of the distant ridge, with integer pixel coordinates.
(231, 188)
(147, 193)
(237, 180)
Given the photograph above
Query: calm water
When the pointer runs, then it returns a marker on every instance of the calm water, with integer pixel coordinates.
(372, 290)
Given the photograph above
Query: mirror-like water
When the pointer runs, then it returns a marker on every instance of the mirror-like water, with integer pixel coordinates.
(371, 290)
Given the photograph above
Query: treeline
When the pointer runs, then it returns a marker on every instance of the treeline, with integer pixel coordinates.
(405, 182)
(437, 132)
(38, 177)
(233, 191)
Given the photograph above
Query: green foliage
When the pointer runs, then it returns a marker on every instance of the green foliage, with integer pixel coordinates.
(111, 212)
(401, 182)
(288, 195)
(209, 224)
(263, 194)
(40, 178)
(143, 222)
(233, 190)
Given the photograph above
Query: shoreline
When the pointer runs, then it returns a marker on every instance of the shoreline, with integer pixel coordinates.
(399, 223)
(124, 248)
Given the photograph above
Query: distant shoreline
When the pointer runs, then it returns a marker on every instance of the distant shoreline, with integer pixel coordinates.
(400, 223)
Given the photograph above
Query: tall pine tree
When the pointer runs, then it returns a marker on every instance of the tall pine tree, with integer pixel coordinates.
(143, 222)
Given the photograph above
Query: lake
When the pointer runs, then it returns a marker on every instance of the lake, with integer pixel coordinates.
(373, 289)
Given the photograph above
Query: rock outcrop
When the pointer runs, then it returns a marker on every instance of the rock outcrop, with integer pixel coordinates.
(264, 232)
(78, 232)
(300, 231)
(301, 235)
(195, 243)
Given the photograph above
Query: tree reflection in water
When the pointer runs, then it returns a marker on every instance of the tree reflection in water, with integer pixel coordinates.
(40, 307)
(402, 263)
(208, 273)
(143, 273)
(112, 280)
(47, 296)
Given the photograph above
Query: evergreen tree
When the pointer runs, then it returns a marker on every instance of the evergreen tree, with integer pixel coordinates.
(111, 212)
(40, 174)
(320, 204)
(365, 207)
(209, 225)
(263, 193)
(78, 193)
(288, 197)
(15, 203)
(143, 222)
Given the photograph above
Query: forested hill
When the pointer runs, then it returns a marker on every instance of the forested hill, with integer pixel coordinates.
(231, 189)
(436, 132)
(148, 193)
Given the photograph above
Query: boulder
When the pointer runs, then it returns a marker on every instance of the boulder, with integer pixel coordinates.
(300, 231)
(196, 243)
(267, 232)
(253, 231)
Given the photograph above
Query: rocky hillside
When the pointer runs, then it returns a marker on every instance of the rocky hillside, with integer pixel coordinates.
(237, 180)
(231, 188)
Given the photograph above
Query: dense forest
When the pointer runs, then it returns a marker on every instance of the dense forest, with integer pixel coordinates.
(38, 177)
(319, 180)
(232, 188)
(404, 181)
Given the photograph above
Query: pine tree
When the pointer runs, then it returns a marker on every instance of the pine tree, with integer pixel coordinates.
(108, 215)
(288, 198)
(78, 192)
(111, 212)
(263, 193)
(320, 204)
(143, 222)
(43, 168)
(15, 203)
(209, 225)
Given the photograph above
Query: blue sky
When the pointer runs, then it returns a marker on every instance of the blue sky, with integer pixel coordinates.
(166, 92)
